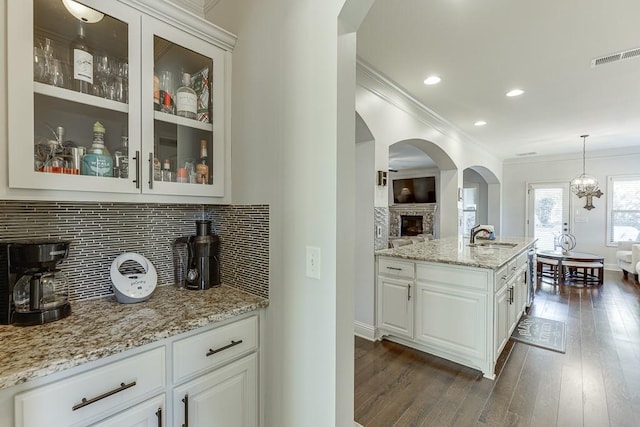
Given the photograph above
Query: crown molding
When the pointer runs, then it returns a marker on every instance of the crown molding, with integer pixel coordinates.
(180, 12)
(370, 79)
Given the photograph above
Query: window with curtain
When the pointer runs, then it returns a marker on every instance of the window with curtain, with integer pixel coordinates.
(623, 208)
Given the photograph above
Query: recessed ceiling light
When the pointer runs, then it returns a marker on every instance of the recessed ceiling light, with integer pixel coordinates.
(515, 92)
(480, 123)
(432, 80)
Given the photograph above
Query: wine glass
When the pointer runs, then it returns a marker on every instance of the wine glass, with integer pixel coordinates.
(39, 65)
(102, 67)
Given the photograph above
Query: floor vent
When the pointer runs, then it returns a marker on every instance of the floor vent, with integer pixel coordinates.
(615, 57)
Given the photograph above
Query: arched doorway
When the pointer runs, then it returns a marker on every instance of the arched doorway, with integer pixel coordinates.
(480, 198)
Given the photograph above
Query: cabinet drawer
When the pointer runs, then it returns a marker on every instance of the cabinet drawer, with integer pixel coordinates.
(103, 390)
(212, 348)
(522, 259)
(502, 277)
(395, 268)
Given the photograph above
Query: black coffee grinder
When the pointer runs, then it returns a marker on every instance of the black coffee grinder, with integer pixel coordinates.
(203, 263)
(33, 290)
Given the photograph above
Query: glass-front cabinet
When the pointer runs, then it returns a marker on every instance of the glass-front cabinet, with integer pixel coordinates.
(105, 99)
(183, 98)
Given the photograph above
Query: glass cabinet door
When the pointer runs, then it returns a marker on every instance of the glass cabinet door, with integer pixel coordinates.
(73, 112)
(182, 108)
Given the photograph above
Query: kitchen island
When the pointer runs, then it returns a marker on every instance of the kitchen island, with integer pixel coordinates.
(452, 300)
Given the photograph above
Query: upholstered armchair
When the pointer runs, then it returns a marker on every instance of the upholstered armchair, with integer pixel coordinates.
(628, 257)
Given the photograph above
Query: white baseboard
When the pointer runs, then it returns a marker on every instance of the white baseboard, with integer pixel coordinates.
(364, 331)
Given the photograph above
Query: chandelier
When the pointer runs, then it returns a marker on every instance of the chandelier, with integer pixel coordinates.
(584, 185)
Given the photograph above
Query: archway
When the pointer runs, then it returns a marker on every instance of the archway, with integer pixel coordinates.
(481, 198)
(444, 170)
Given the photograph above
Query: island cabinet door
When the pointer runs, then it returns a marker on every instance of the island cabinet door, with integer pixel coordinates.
(452, 320)
(501, 308)
(395, 306)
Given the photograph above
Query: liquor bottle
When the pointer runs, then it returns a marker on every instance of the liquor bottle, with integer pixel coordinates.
(97, 161)
(167, 103)
(202, 167)
(121, 159)
(186, 99)
(82, 63)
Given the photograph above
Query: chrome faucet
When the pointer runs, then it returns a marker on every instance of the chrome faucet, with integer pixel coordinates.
(474, 231)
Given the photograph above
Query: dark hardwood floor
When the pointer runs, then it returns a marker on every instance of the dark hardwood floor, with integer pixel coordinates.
(595, 383)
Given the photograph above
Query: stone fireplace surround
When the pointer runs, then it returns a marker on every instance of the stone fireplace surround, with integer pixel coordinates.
(426, 210)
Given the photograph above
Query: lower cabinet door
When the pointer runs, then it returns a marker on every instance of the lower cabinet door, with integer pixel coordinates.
(501, 326)
(395, 306)
(453, 320)
(226, 397)
(150, 413)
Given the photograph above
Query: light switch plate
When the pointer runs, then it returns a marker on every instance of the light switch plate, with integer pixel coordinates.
(313, 262)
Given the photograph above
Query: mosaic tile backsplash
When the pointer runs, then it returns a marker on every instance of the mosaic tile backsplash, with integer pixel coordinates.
(101, 231)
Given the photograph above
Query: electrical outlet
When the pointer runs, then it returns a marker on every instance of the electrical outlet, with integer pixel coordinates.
(313, 262)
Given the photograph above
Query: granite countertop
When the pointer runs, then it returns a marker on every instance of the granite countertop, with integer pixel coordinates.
(455, 250)
(102, 327)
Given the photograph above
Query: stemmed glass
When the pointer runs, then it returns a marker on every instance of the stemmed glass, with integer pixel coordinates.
(103, 69)
(121, 81)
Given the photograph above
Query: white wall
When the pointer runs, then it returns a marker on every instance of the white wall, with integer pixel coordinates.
(291, 143)
(391, 116)
(471, 176)
(590, 234)
(365, 278)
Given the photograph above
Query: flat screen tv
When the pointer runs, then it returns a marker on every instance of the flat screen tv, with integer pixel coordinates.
(415, 190)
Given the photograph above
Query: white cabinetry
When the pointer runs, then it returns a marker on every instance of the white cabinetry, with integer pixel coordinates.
(148, 413)
(510, 299)
(97, 393)
(396, 302)
(462, 313)
(226, 397)
(501, 310)
(452, 310)
(213, 380)
(136, 44)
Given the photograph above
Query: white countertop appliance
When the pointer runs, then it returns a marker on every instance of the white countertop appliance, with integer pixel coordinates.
(130, 284)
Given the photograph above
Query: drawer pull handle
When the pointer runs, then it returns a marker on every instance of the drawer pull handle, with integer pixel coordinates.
(218, 350)
(86, 401)
(159, 415)
(394, 268)
(186, 410)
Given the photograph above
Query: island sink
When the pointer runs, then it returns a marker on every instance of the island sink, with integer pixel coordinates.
(492, 245)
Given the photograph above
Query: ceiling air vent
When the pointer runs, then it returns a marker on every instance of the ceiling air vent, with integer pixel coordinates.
(615, 57)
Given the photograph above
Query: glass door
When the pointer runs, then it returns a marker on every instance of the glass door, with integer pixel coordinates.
(183, 112)
(548, 213)
(72, 76)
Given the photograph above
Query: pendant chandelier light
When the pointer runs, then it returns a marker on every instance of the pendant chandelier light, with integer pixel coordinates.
(584, 185)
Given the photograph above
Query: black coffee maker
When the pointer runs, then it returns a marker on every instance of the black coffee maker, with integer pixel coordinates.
(197, 259)
(33, 290)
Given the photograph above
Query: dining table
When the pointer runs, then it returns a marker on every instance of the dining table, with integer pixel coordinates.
(570, 262)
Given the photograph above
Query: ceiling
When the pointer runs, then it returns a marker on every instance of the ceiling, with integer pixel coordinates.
(482, 49)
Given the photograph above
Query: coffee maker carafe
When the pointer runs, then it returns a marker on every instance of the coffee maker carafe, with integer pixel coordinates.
(201, 268)
(33, 290)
